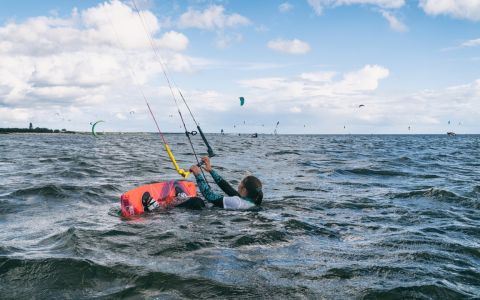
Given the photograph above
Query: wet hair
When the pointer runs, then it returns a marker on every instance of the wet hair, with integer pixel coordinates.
(254, 189)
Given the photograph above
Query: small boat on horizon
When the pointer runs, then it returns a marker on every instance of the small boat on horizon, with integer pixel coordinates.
(451, 133)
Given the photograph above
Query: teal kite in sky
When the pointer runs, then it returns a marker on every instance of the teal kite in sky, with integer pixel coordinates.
(242, 101)
(93, 128)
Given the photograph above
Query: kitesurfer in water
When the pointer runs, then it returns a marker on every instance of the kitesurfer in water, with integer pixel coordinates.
(248, 194)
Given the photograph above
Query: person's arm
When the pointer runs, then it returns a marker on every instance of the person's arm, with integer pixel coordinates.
(207, 192)
(222, 183)
(205, 189)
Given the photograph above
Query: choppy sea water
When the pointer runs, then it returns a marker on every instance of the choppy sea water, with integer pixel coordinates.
(344, 217)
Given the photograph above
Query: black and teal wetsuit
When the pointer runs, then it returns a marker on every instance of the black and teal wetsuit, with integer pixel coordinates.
(231, 201)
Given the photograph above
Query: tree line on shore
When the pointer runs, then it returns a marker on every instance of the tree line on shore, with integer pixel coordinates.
(30, 129)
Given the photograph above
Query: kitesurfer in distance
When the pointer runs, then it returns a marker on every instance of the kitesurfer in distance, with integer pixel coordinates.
(249, 193)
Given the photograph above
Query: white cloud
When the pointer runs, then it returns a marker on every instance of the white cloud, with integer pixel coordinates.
(72, 65)
(317, 97)
(365, 79)
(15, 115)
(332, 102)
(430, 108)
(285, 7)
(296, 110)
(471, 43)
(462, 9)
(211, 18)
(173, 40)
(210, 101)
(352, 83)
(294, 46)
(127, 25)
(318, 76)
(225, 40)
(260, 66)
(319, 5)
(75, 65)
(83, 69)
(120, 116)
(394, 23)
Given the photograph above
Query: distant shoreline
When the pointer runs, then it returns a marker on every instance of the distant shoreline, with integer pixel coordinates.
(56, 131)
(34, 130)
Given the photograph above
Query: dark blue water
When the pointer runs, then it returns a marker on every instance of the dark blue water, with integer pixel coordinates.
(345, 217)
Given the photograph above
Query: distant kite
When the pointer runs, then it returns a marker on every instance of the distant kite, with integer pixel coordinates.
(93, 127)
(275, 131)
(361, 105)
(242, 101)
(449, 122)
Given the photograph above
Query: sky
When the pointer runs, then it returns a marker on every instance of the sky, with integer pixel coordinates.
(316, 66)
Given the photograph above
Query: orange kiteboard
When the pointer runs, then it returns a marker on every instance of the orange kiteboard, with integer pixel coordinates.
(162, 192)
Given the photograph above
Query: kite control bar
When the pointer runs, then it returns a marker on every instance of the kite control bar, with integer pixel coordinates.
(209, 149)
